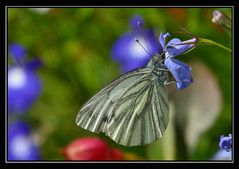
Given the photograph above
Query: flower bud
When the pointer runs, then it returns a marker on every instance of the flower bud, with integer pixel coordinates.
(221, 19)
(87, 149)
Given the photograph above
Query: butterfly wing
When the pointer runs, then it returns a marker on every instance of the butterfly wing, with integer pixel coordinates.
(141, 114)
(95, 114)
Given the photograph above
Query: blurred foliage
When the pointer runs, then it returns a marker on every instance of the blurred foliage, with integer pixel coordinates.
(75, 44)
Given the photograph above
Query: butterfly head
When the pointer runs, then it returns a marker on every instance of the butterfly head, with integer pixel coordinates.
(156, 62)
(157, 66)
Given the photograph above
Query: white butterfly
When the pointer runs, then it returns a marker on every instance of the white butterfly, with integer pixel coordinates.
(132, 110)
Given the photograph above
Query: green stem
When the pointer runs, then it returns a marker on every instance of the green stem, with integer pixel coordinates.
(202, 41)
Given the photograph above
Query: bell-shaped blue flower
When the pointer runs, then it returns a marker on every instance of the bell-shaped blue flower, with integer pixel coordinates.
(128, 53)
(21, 146)
(181, 72)
(225, 142)
(24, 86)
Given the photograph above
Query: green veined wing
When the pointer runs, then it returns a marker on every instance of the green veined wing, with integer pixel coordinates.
(132, 110)
(141, 115)
(94, 114)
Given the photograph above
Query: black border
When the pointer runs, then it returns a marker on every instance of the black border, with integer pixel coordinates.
(235, 82)
(136, 3)
(139, 3)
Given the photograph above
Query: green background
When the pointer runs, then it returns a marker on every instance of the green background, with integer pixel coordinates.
(75, 47)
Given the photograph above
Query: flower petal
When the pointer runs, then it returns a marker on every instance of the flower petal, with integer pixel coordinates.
(129, 54)
(131, 65)
(176, 47)
(87, 149)
(134, 23)
(162, 38)
(225, 142)
(21, 146)
(33, 64)
(222, 155)
(120, 48)
(24, 87)
(18, 53)
(180, 71)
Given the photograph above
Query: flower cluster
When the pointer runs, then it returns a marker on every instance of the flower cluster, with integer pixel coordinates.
(91, 149)
(180, 71)
(131, 55)
(24, 87)
(225, 142)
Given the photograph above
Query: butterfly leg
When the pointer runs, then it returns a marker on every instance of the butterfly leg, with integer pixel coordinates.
(166, 70)
(167, 83)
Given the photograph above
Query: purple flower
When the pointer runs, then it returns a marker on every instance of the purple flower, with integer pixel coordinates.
(24, 86)
(225, 142)
(21, 146)
(128, 53)
(181, 72)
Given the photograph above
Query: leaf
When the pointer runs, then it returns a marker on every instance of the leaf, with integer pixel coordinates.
(198, 106)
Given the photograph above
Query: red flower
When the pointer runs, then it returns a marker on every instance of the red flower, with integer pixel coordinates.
(90, 149)
(116, 154)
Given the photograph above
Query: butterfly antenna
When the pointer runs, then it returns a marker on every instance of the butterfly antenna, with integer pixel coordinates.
(161, 61)
(141, 30)
(143, 47)
(187, 32)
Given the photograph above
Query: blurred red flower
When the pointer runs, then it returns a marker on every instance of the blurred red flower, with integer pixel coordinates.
(116, 154)
(90, 149)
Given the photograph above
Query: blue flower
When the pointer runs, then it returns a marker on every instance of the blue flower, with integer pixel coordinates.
(131, 55)
(24, 86)
(21, 146)
(18, 53)
(225, 145)
(225, 142)
(128, 53)
(222, 155)
(181, 72)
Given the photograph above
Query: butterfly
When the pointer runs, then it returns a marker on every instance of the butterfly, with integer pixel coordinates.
(132, 110)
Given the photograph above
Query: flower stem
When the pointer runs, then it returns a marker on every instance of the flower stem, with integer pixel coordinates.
(202, 41)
